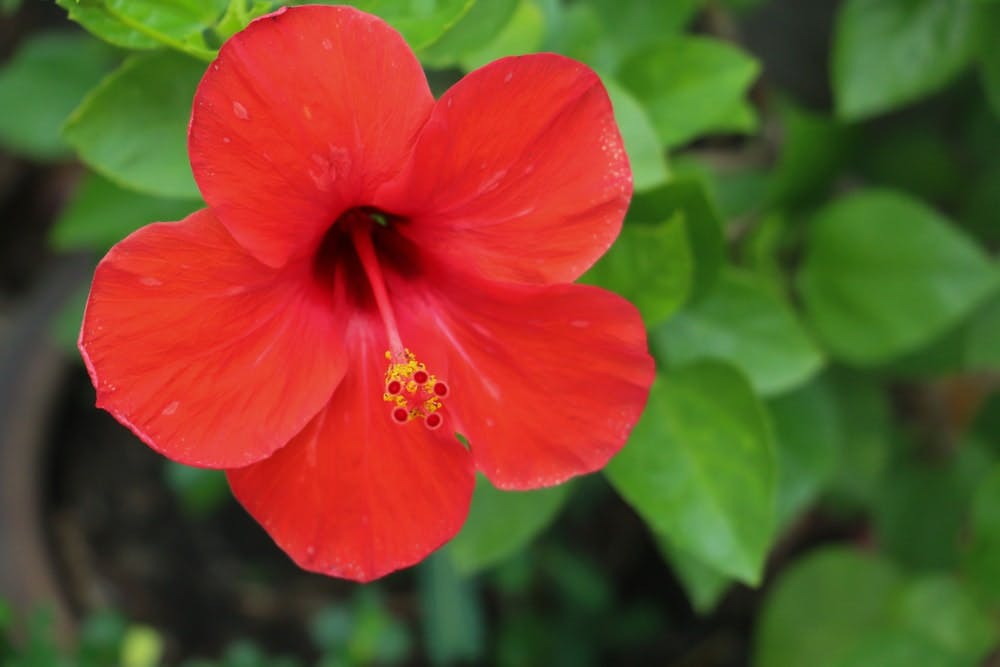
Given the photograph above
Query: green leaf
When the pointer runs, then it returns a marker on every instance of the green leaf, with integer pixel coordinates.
(481, 24)
(746, 324)
(913, 156)
(200, 491)
(177, 19)
(65, 327)
(899, 648)
(703, 584)
(809, 436)
(943, 610)
(982, 332)
(132, 128)
(522, 34)
(100, 214)
(147, 24)
(575, 30)
(41, 84)
(93, 16)
(839, 608)
(813, 150)
(502, 522)
(100, 638)
(142, 647)
(884, 275)
(863, 413)
(650, 265)
(646, 157)
(700, 468)
(374, 635)
(982, 560)
(604, 32)
(888, 53)
(701, 221)
(822, 607)
(692, 86)
(918, 514)
(421, 22)
(452, 616)
(988, 18)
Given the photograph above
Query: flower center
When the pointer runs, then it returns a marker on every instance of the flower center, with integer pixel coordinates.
(411, 390)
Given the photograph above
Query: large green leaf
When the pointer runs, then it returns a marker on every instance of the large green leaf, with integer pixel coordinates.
(421, 22)
(746, 324)
(884, 275)
(703, 584)
(628, 25)
(888, 53)
(809, 437)
(982, 561)
(942, 609)
(651, 265)
(502, 522)
(177, 19)
(814, 147)
(132, 128)
(522, 34)
(840, 608)
(901, 648)
(692, 86)
(479, 25)
(982, 353)
(700, 468)
(452, 615)
(701, 221)
(101, 214)
(147, 24)
(919, 514)
(863, 415)
(41, 85)
(646, 157)
(93, 16)
(988, 17)
(822, 607)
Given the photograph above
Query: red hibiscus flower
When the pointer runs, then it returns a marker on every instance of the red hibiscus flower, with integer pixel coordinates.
(376, 272)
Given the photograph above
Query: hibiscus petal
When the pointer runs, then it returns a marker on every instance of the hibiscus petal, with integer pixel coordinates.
(546, 382)
(302, 116)
(356, 495)
(189, 341)
(520, 172)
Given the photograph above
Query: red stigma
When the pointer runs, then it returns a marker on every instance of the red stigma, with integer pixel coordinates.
(414, 391)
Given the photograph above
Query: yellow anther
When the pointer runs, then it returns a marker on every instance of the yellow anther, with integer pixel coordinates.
(410, 387)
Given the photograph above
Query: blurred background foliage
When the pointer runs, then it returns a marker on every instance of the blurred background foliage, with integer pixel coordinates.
(812, 244)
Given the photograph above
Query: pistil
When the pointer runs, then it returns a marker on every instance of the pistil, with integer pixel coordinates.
(411, 390)
(361, 235)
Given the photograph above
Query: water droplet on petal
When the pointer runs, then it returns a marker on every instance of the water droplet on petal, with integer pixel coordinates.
(240, 111)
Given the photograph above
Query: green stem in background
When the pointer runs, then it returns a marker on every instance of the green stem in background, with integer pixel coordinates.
(207, 55)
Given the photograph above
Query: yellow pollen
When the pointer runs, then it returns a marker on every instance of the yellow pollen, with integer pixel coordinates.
(410, 388)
